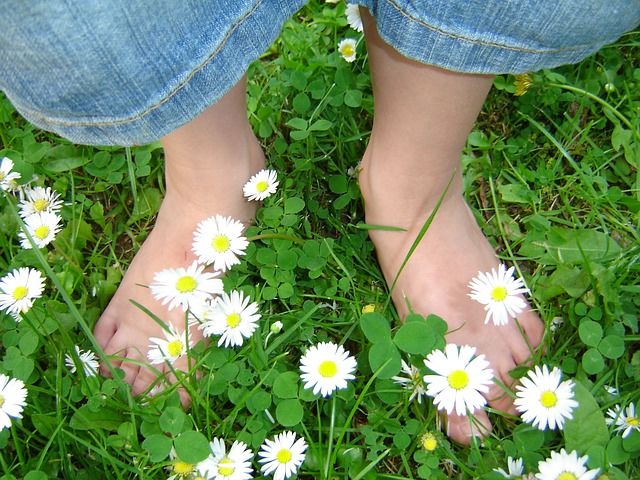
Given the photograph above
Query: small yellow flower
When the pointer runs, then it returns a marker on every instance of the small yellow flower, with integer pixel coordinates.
(370, 308)
(429, 442)
(347, 49)
(522, 84)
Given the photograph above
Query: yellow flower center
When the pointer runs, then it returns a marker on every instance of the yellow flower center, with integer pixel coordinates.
(226, 467)
(284, 456)
(186, 284)
(220, 243)
(262, 185)
(369, 308)
(548, 399)
(429, 442)
(174, 348)
(498, 294)
(233, 320)
(631, 421)
(183, 468)
(19, 293)
(566, 476)
(41, 232)
(328, 369)
(458, 379)
(40, 205)
(1, 401)
(347, 50)
(2, 175)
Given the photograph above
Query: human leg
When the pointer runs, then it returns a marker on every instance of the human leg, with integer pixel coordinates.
(423, 115)
(207, 162)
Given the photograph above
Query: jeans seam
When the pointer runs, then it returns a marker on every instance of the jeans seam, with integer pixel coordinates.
(165, 99)
(455, 36)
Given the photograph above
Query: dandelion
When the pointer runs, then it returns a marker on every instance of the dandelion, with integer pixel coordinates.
(43, 228)
(429, 442)
(39, 200)
(12, 400)
(327, 367)
(522, 84)
(460, 379)
(18, 290)
(282, 456)
(87, 360)
(185, 287)
(353, 17)
(218, 241)
(625, 421)
(170, 348)
(220, 465)
(515, 468)
(262, 185)
(544, 400)
(347, 49)
(233, 318)
(499, 293)
(565, 466)
(412, 381)
(7, 177)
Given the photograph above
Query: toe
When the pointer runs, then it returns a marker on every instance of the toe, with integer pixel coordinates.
(104, 330)
(145, 377)
(462, 429)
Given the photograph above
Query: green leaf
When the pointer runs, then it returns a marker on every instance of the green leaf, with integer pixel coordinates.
(338, 184)
(612, 346)
(158, 447)
(28, 342)
(353, 98)
(192, 447)
(592, 361)
(259, 401)
(297, 123)
(36, 475)
(632, 442)
(415, 337)
(286, 385)
(590, 333)
(401, 440)
(616, 454)
(384, 353)
(289, 412)
(375, 327)
(587, 428)
(575, 246)
(301, 103)
(293, 205)
(105, 418)
(299, 134)
(65, 164)
(172, 420)
(320, 125)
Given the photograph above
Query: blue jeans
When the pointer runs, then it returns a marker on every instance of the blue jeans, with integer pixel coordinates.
(130, 71)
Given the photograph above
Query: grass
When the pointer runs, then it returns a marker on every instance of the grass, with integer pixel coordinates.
(552, 176)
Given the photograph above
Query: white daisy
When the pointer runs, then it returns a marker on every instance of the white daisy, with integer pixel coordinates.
(282, 456)
(412, 381)
(544, 400)
(184, 471)
(170, 348)
(262, 185)
(220, 465)
(327, 367)
(43, 228)
(218, 241)
(18, 289)
(7, 177)
(499, 292)
(460, 379)
(12, 400)
(625, 422)
(515, 468)
(38, 200)
(87, 360)
(347, 49)
(565, 466)
(185, 287)
(613, 391)
(353, 17)
(233, 318)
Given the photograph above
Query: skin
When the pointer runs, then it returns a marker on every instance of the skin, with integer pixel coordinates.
(423, 116)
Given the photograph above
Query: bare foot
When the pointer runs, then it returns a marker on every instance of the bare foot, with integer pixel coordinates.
(207, 163)
(435, 279)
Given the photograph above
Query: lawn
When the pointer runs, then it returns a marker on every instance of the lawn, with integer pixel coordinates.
(551, 173)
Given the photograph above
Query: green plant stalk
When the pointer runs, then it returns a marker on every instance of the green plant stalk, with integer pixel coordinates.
(279, 236)
(330, 452)
(369, 467)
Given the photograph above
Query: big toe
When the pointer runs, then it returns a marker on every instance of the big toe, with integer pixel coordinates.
(462, 428)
